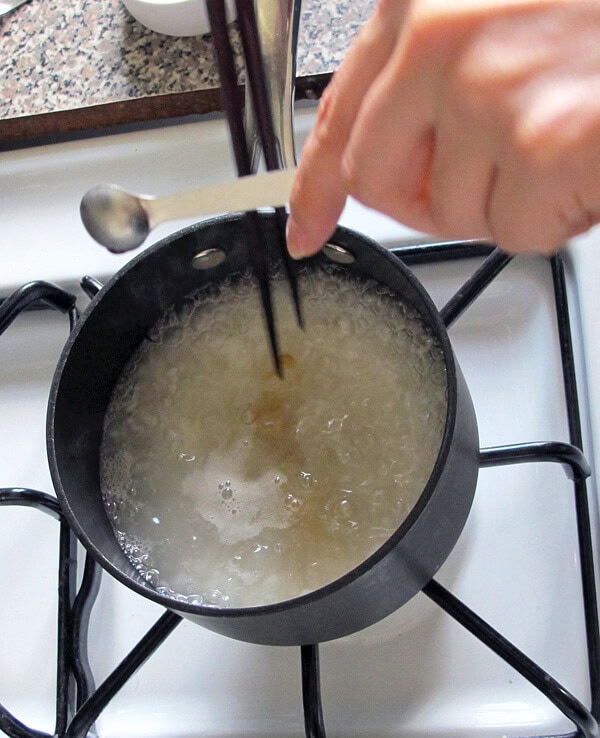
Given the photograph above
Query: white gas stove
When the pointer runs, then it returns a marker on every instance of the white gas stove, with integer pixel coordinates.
(417, 674)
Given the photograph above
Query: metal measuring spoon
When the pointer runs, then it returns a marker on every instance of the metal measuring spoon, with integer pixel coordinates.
(121, 221)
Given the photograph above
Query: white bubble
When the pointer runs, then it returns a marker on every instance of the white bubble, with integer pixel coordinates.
(215, 598)
(152, 576)
(305, 479)
(187, 457)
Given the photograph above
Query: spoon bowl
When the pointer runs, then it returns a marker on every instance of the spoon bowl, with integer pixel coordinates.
(115, 218)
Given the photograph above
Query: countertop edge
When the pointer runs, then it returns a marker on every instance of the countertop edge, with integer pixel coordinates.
(61, 125)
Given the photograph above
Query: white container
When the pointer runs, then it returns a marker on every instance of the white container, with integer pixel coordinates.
(173, 17)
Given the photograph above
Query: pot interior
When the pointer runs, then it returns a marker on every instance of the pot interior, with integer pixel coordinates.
(119, 319)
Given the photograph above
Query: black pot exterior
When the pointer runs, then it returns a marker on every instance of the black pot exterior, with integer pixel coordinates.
(110, 330)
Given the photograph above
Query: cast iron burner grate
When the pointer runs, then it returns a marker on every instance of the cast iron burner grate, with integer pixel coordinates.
(79, 701)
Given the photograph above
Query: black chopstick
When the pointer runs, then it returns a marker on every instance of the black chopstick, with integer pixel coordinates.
(256, 80)
(234, 112)
(230, 98)
(233, 107)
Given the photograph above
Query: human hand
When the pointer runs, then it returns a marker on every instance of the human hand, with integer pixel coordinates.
(461, 118)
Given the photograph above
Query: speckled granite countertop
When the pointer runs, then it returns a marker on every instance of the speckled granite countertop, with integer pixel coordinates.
(87, 63)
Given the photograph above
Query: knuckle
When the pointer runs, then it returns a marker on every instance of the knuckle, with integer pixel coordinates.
(478, 87)
(327, 130)
(351, 177)
(549, 142)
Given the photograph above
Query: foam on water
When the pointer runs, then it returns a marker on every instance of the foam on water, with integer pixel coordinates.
(229, 487)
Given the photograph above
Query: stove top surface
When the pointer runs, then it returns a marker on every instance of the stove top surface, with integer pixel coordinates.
(418, 673)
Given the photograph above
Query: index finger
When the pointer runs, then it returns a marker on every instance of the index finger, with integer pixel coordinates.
(319, 191)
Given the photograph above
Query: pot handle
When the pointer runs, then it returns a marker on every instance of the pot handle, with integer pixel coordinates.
(277, 22)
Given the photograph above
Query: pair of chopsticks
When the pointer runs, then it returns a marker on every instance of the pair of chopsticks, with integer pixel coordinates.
(233, 107)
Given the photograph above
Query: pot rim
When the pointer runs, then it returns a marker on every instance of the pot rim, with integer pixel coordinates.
(348, 239)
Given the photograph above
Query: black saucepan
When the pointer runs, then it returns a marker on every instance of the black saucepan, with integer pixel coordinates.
(109, 331)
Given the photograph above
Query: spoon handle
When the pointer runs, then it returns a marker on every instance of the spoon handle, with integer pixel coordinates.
(271, 189)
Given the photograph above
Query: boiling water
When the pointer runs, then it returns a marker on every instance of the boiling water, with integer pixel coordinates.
(230, 487)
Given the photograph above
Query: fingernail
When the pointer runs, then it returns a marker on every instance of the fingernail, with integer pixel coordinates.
(298, 243)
